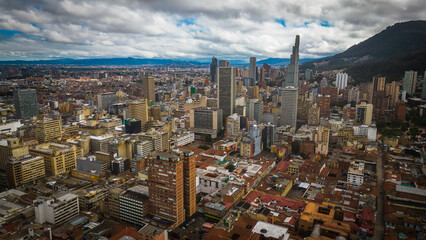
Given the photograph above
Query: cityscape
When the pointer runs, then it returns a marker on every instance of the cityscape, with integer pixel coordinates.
(305, 141)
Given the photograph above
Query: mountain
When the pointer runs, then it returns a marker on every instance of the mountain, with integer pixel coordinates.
(389, 53)
(283, 61)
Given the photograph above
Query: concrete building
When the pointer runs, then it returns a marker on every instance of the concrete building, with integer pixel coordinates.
(226, 87)
(134, 205)
(58, 158)
(25, 102)
(254, 110)
(232, 125)
(148, 85)
(341, 80)
(213, 67)
(252, 68)
(105, 100)
(57, 209)
(268, 136)
(424, 86)
(289, 106)
(183, 139)
(48, 129)
(323, 103)
(314, 115)
(139, 110)
(166, 187)
(13, 148)
(24, 169)
(356, 173)
(206, 120)
(410, 80)
(292, 77)
(254, 133)
(378, 84)
(364, 113)
(353, 95)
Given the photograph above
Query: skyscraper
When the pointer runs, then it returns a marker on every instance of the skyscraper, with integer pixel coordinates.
(292, 77)
(268, 136)
(25, 101)
(148, 85)
(254, 133)
(410, 80)
(226, 86)
(378, 84)
(139, 111)
(213, 67)
(252, 69)
(254, 110)
(289, 106)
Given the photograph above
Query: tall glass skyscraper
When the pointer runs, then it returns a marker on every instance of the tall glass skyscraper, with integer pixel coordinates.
(292, 77)
(25, 101)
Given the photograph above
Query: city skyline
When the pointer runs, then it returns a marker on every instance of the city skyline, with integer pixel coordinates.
(187, 30)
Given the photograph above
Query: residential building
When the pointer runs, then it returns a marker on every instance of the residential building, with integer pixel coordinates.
(254, 133)
(323, 102)
(314, 115)
(232, 125)
(410, 80)
(356, 173)
(341, 80)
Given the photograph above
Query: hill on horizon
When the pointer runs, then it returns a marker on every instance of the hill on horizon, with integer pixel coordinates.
(390, 53)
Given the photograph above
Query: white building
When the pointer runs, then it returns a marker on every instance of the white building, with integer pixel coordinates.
(341, 80)
(56, 209)
(356, 173)
(183, 139)
(10, 127)
(365, 130)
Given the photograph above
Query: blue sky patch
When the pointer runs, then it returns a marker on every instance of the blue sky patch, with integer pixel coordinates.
(280, 21)
(186, 21)
(324, 23)
(9, 33)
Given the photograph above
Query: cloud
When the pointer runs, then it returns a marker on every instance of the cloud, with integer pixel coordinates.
(233, 29)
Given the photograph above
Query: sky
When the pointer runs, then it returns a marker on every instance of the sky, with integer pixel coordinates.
(192, 29)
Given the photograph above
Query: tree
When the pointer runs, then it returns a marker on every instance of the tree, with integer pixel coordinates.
(230, 167)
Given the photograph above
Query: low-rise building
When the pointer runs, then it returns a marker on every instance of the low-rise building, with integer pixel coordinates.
(57, 209)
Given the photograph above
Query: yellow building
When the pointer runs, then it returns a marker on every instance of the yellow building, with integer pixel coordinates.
(48, 129)
(293, 168)
(328, 216)
(322, 140)
(314, 115)
(58, 158)
(24, 169)
(344, 135)
(139, 110)
(391, 141)
(13, 148)
(364, 113)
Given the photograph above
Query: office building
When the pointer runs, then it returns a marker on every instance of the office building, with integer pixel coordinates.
(213, 67)
(289, 107)
(364, 113)
(133, 126)
(24, 169)
(48, 129)
(254, 133)
(410, 80)
(341, 80)
(13, 148)
(166, 187)
(206, 120)
(105, 100)
(58, 158)
(25, 102)
(139, 110)
(148, 85)
(268, 136)
(223, 63)
(120, 165)
(226, 88)
(292, 76)
(252, 68)
(57, 209)
(254, 110)
(134, 205)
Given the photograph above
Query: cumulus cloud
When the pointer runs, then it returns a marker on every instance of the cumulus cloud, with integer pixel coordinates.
(233, 29)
